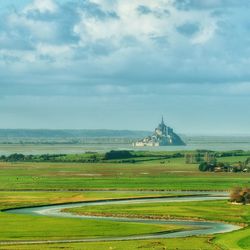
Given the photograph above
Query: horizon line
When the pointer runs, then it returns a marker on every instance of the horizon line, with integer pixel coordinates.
(132, 130)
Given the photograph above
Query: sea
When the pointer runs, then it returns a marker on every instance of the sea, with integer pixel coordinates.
(215, 143)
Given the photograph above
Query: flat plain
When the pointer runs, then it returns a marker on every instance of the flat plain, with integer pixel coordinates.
(24, 184)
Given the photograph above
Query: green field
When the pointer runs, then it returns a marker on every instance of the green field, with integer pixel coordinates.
(40, 183)
(171, 174)
(40, 228)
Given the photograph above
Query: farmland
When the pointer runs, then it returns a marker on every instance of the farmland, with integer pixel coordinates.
(29, 183)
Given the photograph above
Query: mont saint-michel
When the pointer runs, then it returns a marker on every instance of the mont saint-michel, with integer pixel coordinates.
(162, 136)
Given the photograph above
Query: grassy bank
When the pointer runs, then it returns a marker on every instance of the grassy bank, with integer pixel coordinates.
(20, 227)
(193, 243)
(45, 228)
(25, 199)
(202, 210)
(205, 210)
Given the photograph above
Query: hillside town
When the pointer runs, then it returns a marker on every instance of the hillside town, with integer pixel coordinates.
(162, 136)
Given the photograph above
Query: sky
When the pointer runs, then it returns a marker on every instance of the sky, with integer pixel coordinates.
(115, 64)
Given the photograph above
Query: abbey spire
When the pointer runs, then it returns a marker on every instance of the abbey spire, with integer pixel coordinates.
(162, 136)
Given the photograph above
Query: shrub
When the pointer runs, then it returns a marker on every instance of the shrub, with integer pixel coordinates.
(15, 157)
(203, 167)
(121, 154)
(240, 195)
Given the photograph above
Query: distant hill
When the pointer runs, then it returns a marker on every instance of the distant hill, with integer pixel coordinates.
(84, 133)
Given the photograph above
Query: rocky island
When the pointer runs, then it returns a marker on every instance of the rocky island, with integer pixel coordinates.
(162, 136)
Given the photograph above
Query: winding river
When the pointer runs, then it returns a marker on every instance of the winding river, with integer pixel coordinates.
(198, 227)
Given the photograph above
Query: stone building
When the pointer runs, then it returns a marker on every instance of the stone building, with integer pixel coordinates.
(162, 136)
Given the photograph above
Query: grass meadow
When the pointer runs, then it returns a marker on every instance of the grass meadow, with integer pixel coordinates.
(32, 183)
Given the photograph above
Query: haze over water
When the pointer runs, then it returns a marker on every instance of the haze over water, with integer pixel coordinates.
(216, 143)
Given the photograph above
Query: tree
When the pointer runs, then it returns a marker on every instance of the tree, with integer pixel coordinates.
(203, 166)
(240, 195)
(122, 154)
(15, 157)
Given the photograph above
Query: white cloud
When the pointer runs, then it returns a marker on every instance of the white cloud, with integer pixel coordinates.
(58, 52)
(34, 29)
(41, 6)
(118, 42)
(206, 33)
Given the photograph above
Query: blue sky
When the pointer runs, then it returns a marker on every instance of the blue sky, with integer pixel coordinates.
(122, 64)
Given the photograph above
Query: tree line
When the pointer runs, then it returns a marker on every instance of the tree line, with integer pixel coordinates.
(215, 166)
(120, 156)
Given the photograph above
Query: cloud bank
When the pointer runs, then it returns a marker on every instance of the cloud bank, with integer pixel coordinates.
(103, 49)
